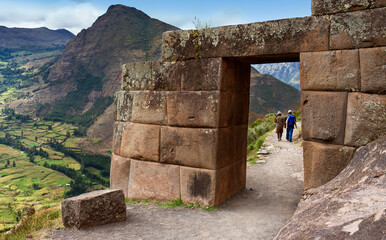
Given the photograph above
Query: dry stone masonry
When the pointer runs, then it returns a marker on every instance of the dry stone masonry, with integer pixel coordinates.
(181, 123)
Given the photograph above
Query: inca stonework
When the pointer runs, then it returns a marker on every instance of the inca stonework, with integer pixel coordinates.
(181, 123)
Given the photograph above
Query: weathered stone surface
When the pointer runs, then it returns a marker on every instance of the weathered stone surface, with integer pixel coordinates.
(149, 107)
(272, 37)
(94, 208)
(150, 76)
(198, 185)
(323, 162)
(358, 29)
(240, 110)
(123, 102)
(324, 7)
(240, 134)
(119, 128)
(212, 187)
(330, 70)
(119, 173)
(236, 75)
(140, 141)
(230, 180)
(199, 109)
(196, 147)
(323, 116)
(373, 69)
(351, 206)
(154, 181)
(366, 118)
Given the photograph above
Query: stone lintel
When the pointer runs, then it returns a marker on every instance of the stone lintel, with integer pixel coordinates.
(286, 36)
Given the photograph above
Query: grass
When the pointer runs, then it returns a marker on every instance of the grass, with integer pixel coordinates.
(36, 225)
(176, 203)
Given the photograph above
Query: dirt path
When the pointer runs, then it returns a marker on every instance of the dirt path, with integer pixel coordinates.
(273, 190)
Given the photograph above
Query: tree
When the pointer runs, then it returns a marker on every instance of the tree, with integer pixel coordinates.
(14, 164)
(8, 162)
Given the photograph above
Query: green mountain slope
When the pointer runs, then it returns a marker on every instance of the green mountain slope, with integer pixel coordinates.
(268, 94)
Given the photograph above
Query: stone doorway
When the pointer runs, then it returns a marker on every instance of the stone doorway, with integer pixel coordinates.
(176, 136)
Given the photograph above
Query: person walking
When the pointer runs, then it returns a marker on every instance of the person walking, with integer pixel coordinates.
(291, 123)
(280, 123)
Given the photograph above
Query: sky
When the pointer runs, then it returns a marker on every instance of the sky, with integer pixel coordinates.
(75, 15)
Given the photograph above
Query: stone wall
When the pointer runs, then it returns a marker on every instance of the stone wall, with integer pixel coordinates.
(181, 123)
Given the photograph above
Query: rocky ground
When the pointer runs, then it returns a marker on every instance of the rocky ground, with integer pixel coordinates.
(274, 188)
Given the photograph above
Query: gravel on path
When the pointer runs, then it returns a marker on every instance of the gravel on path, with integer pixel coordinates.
(273, 191)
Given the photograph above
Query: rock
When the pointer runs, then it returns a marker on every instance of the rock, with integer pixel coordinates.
(94, 208)
(262, 152)
(351, 206)
(325, 7)
(373, 70)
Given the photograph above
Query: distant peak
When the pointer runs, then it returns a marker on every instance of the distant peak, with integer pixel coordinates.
(126, 9)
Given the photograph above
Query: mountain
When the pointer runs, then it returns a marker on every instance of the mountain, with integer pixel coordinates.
(287, 72)
(33, 37)
(268, 94)
(78, 87)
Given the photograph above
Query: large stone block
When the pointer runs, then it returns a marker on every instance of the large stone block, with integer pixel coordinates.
(154, 181)
(149, 107)
(119, 173)
(373, 69)
(197, 147)
(212, 187)
(198, 185)
(358, 29)
(323, 162)
(330, 70)
(273, 37)
(94, 208)
(123, 102)
(366, 118)
(324, 116)
(324, 7)
(199, 109)
(149, 75)
(140, 141)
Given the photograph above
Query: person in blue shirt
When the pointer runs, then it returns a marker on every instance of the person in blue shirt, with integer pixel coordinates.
(291, 123)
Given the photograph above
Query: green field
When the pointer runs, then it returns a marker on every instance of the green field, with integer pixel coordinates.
(16, 182)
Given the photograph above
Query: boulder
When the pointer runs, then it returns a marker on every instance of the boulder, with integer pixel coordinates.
(351, 206)
(94, 208)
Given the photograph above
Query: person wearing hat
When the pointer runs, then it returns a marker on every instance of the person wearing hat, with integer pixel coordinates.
(291, 123)
(280, 123)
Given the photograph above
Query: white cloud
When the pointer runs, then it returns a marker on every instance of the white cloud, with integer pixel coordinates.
(73, 17)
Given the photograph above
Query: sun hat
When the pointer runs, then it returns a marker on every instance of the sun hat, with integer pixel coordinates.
(289, 111)
(278, 112)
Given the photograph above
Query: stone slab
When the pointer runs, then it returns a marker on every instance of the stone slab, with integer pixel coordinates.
(212, 187)
(198, 186)
(323, 162)
(123, 102)
(199, 109)
(325, 7)
(119, 173)
(285, 36)
(324, 116)
(330, 71)
(140, 141)
(196, 147)
(358, 29)
(373, 69)
(149, 107)
(119, 128)
(94, 209)
(155, 76)
(154, 181)
(366, 118)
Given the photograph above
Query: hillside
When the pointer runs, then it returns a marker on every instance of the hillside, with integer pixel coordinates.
(287, 72)
(268, 94)
(18, 38)
(79, 86)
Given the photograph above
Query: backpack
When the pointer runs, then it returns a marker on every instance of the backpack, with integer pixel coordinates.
(291, 120)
